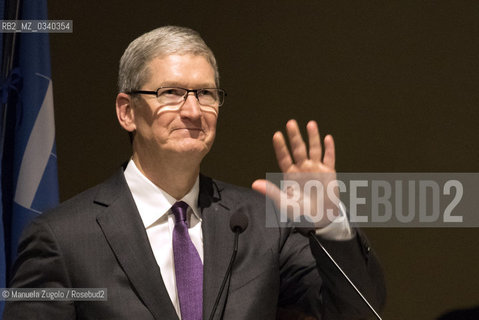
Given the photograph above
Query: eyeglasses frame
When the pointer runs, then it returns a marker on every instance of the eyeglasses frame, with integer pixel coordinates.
(195, 91)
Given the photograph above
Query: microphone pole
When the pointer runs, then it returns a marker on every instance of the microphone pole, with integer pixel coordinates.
(238, 224)
(308, 232)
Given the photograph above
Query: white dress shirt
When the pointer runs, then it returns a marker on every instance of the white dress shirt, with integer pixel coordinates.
(154, 206)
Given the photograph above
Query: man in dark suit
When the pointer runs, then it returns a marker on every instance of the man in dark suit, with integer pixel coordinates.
(156, 235)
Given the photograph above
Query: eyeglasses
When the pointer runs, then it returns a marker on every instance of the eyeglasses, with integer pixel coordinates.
(209, 97)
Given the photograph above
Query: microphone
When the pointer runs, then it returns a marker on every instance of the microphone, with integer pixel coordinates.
(310, 232)
(238, 224)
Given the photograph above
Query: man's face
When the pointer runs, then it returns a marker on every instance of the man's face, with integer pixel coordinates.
(187, 128)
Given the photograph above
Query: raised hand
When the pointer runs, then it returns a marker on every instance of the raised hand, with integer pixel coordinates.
(304, 169)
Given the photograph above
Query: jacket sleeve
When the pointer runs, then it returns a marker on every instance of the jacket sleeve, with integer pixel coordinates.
(39, 250)
(311, 284)
(361, 265)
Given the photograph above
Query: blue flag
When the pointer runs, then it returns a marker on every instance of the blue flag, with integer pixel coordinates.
(3, 262)
(29, 171)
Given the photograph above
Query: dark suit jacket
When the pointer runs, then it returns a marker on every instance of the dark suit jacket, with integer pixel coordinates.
(97, 239)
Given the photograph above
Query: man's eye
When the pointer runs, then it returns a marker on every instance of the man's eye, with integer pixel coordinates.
(208, 93)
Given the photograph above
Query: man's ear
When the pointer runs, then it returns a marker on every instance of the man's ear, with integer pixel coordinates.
(124, 112)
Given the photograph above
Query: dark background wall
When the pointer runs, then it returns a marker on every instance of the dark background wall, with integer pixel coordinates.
(396, 83)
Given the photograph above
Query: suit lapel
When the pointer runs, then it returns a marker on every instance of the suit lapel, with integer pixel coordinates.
(217, 243)
(125, 232)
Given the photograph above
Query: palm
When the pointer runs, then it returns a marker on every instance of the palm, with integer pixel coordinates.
(302, 167)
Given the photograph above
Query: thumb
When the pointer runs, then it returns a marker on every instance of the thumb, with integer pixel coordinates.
(269, 189)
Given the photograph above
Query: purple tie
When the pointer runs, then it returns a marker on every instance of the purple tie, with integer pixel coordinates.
(188, 267)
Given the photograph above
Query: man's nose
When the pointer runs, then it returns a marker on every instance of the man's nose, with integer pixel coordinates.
(191, 106)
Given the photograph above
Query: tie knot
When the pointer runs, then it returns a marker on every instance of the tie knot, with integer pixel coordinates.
(179, 210)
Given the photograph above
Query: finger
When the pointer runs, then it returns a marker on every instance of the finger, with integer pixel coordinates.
(269, 189)
(314, 141)
(259, 185)
(298, 148)
(282, 153)
(329, 152)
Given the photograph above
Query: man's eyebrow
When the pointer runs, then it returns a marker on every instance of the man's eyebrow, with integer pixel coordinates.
(182, 85)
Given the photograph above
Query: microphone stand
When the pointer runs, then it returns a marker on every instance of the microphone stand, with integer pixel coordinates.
(237, 232)
(311, 234)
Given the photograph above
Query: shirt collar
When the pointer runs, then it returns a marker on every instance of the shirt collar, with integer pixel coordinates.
(152, 202)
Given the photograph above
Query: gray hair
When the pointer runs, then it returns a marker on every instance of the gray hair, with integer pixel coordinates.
(160, 42)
